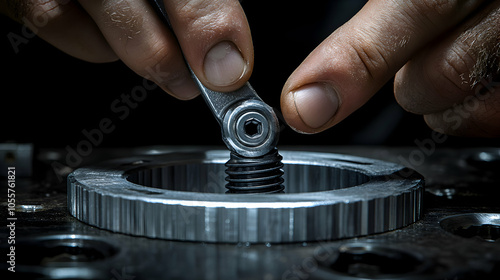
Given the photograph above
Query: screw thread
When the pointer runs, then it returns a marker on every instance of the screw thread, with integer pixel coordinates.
(255, 175)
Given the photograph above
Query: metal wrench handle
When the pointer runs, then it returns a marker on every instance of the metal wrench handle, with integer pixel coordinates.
(250, 127)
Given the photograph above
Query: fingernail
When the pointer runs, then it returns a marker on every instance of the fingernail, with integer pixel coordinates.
(224, 64)
(316, 104)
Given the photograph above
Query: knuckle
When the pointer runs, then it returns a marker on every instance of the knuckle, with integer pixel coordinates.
(191, 13)
(162, 66)
(157, 54)
(191, 10)
(440, 7)
(436, 9)
(208, 16)
(430, 83)
(371, 57)
(429, 14)
(451, 74)
(154, 58)
(41, 11)
(123, 16)
(483, 43)
(453, 71)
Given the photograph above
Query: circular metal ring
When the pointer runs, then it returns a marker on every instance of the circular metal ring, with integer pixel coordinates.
(180, 196)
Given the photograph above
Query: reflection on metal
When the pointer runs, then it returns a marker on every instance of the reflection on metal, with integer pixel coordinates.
(65, 256)
(371, 261)
(181, 196)
(482, 226)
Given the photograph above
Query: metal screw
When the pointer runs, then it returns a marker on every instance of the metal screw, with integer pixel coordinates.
(253, 128)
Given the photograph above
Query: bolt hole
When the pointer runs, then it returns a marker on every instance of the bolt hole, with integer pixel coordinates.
(490, 233)
(481, 226)
(485, 161)
(373, 261)
(63, 250)
(253, 128)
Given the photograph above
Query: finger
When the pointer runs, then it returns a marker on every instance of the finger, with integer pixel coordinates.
(446, 72)
(215, 38)
(64, 25)
(346, 69)
(454, 81)
(477, 115)
(143, 42)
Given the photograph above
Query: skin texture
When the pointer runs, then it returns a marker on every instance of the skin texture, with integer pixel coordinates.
(445, 55)
(130, 30)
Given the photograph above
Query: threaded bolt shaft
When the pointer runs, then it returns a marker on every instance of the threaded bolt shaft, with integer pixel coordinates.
(255, 175)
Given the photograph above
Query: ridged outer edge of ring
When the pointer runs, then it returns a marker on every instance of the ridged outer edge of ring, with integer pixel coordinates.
(102, 196)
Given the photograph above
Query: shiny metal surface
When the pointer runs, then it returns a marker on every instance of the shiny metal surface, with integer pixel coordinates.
(52, 244)
(481, 226)
(237, 127)
(180, 196)
(249, 126)
(262, 175)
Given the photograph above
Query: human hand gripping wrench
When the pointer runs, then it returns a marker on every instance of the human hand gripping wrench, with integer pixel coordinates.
(250, 129)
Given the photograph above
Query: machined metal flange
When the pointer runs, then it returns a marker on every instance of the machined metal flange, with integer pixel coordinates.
(181, 196)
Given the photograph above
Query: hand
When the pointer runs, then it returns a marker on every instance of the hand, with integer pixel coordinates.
(214, 36)
(445, 55)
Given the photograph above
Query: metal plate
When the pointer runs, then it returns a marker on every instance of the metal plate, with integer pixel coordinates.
(180, 196)
(453, 240)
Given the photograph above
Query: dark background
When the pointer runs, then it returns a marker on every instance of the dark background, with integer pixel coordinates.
(48, 98)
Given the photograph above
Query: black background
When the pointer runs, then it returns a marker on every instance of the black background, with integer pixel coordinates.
(48, 98)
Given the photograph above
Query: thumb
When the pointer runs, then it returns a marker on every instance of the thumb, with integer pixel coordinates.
(351, 65)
